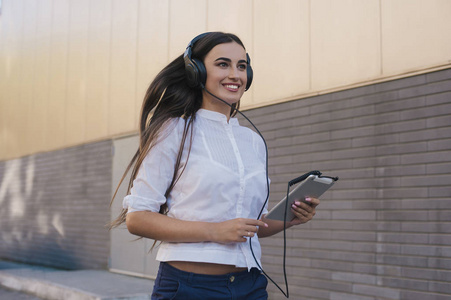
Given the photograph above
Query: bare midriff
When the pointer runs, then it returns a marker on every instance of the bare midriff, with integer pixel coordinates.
(205, 268)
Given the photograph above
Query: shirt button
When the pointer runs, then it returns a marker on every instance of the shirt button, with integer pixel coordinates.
(232, 278)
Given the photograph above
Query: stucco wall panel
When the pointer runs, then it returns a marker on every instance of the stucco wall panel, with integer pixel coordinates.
(345, 42)
(411, 34)
(76, 71)
(281, 54)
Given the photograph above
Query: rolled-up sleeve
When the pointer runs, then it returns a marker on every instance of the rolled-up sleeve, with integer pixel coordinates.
(156, 172)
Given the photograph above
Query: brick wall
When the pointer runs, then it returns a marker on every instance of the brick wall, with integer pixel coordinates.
(54, 205)
(384, 230)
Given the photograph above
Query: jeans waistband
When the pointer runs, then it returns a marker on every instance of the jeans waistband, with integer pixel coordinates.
(189, 277)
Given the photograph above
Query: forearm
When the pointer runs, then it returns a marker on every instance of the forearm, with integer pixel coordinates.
(163, 228)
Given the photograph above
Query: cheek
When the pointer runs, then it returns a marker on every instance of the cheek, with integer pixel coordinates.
(213, 79)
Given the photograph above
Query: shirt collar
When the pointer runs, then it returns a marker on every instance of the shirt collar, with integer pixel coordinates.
(216, 116)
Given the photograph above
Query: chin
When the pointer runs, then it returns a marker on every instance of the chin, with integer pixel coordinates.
(232, 99)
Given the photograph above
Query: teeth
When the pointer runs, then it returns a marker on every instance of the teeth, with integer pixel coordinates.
(231, 86)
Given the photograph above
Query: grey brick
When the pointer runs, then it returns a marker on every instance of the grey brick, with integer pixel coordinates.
(438, 98)
(439, 287)
(439, 192)
(430, 112)
(355, 92)
(377, 291)
(438, 145)
(440, 239)
(431, 180)
(380, 97)
(439, 263)
(430, 88)
(400, 105)
(331, 265)
(437, 227)
(402, 215)
(402, 148)
(331, 125)
(353, 132)
(426, 274)
(404, 283)
(354, 215)
(306, 293)
(354, 153)
(428, 157)
(332, 285)
(420, 250)
(417, 295)
(345, 296)
(402, 238)
(402, 260)
(405, 193)
(400, 170)
(354, 235)
(364, 268)
(440, 121)
(388, 270)
(376, 161)
(401, 83)
(374, 140)
(438, 76)
(388, 248)
(425, 135)
(343, 225)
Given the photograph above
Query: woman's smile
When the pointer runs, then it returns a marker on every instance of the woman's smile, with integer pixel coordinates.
(226, 67)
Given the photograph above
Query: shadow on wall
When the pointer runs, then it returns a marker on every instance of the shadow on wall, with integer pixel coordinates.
(54, 207)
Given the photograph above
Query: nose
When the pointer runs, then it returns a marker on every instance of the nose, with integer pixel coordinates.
(233, 73)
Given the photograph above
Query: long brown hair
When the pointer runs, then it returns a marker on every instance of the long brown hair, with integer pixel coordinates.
(169, 96)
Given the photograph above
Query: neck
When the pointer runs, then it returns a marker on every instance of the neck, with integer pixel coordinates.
(210, 102)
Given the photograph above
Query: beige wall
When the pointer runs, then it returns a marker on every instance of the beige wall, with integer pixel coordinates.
(76, 71)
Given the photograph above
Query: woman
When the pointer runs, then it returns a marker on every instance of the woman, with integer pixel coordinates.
(199, 179)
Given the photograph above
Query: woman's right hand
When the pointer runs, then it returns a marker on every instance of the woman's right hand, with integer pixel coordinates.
(235, 230)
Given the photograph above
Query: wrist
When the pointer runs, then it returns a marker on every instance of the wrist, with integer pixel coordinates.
(210, 231)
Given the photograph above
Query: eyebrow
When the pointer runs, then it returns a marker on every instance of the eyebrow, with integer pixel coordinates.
(229, 60)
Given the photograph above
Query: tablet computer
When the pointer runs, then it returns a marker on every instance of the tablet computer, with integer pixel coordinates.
(312, 186)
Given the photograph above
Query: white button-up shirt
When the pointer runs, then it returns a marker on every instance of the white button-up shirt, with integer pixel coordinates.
(225, 178)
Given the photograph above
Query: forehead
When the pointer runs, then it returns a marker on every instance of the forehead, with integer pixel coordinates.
(232, 50)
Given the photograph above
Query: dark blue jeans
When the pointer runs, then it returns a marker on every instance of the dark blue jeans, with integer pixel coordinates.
(172, 283)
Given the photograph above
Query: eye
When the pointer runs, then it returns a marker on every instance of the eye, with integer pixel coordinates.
(223, 64)
(242, 66)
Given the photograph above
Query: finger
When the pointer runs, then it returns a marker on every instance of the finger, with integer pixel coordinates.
(313, 202)
(300, 213)
(256, 222)
(298, 206)
(249, 234)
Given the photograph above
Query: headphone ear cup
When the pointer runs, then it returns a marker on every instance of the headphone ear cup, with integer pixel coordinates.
(249, 72)
(250, 75)
(191, 74)
(201, 75)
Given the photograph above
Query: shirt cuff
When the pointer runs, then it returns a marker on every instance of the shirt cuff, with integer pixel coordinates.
(136, 203)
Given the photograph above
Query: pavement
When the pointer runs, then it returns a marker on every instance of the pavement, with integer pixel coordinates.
(48, 283)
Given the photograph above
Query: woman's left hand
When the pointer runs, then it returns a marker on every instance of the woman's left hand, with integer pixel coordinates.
(304, 210)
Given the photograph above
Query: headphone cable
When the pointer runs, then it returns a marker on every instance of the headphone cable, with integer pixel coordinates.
(286, 294)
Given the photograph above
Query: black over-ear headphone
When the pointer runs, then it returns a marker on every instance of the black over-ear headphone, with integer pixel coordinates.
(196, 74)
